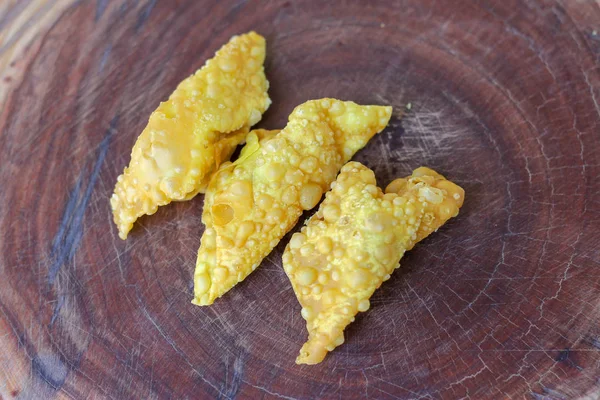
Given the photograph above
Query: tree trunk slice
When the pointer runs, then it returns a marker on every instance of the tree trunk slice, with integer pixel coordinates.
(502, 302)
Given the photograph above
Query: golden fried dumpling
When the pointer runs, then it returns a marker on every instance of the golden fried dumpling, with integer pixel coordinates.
(194, 131)
(355, 241)
(251, 204)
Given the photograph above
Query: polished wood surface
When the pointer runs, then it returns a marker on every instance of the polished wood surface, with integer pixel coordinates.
(502, 302)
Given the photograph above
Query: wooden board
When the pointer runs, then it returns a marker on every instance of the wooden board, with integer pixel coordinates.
(502, 302)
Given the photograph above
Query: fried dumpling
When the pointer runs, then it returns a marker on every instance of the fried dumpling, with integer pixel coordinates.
(194, 131)
(251, 204)
(355, 241)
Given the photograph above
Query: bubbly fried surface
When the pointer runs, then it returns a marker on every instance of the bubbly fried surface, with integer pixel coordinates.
(194, 131)
(251, 204)
(354, 242)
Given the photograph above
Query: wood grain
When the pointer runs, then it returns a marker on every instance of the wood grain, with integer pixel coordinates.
(502, 302)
